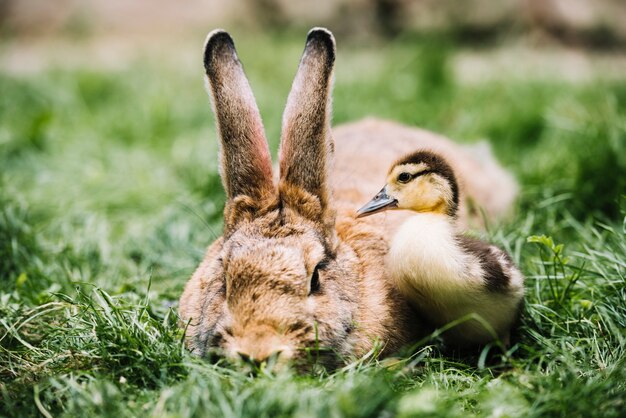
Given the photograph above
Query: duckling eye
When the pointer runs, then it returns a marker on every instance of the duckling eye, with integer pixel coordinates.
(404, 177)
(315, 279)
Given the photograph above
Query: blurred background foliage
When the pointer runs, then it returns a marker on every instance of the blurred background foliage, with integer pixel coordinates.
(595, 23)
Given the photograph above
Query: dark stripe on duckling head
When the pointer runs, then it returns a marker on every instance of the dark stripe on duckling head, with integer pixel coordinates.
(436, 165)
(494, 277)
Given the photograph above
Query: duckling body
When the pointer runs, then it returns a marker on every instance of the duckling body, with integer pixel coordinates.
(446, 275)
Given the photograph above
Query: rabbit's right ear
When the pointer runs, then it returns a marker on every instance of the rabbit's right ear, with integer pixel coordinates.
(245, 162)
(306, 144)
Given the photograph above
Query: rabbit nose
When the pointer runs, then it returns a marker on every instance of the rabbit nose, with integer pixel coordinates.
(247, 359)
(257, 360)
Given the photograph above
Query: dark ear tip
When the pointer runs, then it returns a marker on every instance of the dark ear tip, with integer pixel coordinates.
(216, 39)
(324, 38)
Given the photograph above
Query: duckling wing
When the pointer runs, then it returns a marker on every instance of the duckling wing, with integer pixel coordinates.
(499, 271)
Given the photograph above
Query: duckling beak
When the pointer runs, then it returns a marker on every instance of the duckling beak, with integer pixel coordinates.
(382, 201)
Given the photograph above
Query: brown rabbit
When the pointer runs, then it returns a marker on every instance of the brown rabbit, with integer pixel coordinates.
(296, 276)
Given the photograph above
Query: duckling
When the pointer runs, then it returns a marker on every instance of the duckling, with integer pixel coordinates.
(445, 274)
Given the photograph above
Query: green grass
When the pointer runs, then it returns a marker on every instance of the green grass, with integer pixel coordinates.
(109, 195)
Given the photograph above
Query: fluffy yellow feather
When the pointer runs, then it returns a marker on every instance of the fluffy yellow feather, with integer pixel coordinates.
(446, 275)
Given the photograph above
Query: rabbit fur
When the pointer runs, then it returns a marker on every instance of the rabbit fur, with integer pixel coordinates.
(296, 276)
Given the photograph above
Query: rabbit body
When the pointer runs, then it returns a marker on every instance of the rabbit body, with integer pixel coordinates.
(365, 150)
(296, 276)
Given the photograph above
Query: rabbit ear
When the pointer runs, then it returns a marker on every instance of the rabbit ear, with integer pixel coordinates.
(245, 162)
(306, 143)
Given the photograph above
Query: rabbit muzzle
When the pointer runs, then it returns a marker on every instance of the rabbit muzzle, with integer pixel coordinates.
(259, 344)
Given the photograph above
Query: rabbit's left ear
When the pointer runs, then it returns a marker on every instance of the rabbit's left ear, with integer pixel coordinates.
(306, 143)
(245, 162)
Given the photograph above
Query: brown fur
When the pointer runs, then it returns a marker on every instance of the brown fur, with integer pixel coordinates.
(250, 297)
(245, 162)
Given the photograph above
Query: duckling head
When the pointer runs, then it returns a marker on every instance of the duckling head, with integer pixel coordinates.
(421, 182)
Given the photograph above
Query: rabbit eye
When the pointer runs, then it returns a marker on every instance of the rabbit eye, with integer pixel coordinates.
(315, 279)
(404, 177)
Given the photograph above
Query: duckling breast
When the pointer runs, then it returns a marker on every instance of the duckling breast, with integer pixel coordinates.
(446, 279)
(425, 258)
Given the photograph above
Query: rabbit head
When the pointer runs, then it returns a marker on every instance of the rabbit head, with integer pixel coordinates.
(279, 283)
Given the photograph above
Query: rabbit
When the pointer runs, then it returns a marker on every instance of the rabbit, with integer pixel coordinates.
(296, 278)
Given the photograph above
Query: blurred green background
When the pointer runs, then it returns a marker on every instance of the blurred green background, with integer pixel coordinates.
(109, 195)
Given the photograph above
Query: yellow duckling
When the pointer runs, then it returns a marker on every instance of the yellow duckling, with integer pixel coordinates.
(446, 275)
